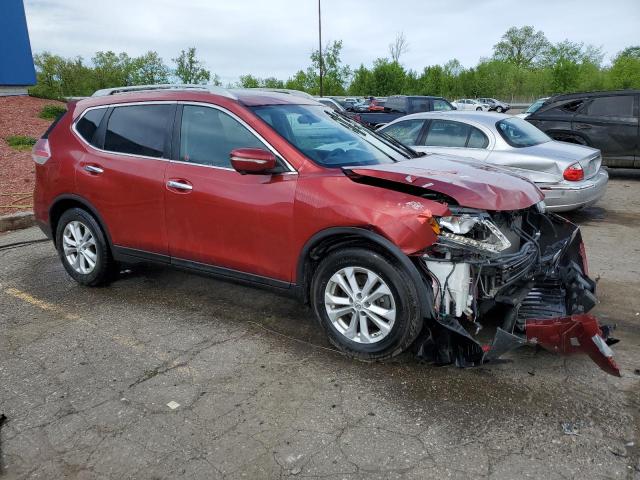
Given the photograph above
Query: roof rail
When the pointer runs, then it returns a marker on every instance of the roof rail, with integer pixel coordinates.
(297, 93)
(163, 86)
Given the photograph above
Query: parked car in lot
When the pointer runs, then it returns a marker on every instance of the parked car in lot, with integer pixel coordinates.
(570, 176)
(494, 105)
(469, 104)
(534, 107)
(277, 190)
(331, 103)
(608, 121)
(398, 106)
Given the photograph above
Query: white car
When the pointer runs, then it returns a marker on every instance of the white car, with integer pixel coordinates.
(470, 104)
(569, 175)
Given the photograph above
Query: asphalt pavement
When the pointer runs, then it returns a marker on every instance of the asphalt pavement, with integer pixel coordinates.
(165, 374)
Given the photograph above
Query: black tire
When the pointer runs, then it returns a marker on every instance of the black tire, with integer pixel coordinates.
(104, 264)
(479, 109)
(408, 322)
(499, 109)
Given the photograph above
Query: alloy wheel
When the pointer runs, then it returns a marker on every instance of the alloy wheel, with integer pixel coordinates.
(79, 247)
(360, 305)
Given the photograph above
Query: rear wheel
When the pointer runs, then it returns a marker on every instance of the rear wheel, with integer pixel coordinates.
(367, 306)
(479, 109)
(83, 248)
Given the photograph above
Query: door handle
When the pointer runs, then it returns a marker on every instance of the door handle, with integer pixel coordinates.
(179, 185)
(93, 169)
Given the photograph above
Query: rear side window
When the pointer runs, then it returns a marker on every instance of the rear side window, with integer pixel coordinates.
(477, 139)
(208, 135)
(618, 106)
(406, 131)
(445, 133)
(138, 129)
(440, 105)
(88, 125)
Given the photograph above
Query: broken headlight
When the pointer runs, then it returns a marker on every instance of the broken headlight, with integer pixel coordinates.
(475, 232)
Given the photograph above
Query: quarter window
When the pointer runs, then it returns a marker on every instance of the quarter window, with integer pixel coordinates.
(207, 136)
(88, 125)
(618, 106)
(138, 129)
(446, 133)
(405, 132)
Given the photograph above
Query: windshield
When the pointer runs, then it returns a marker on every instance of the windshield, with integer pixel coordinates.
(520, 133)
(534, 107)
(328, 138)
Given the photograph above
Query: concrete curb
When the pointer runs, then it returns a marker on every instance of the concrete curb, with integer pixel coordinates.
(17, 221)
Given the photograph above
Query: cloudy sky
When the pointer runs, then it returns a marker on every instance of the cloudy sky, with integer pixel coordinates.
(275, 37)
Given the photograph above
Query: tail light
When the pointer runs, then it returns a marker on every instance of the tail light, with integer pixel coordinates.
(574, 172)
(41, 151)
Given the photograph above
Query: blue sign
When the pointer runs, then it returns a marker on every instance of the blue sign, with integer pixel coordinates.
(16, 61)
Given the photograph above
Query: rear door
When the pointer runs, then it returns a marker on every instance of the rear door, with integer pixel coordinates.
(217, 218)
(610, 123)
(122, 172)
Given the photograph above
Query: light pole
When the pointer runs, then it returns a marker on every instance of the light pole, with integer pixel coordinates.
(320, 46)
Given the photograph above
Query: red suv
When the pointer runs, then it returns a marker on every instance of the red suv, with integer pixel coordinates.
(387, 245)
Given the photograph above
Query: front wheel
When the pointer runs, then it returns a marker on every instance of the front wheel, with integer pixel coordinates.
(367, 305)
(499, 109)
(479, 109)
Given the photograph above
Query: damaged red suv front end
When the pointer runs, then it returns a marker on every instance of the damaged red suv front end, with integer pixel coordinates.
(498, 255)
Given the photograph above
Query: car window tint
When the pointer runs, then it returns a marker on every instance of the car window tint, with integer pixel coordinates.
(406, 131)
(445, 133)
(208, 135)
(89, 123)
(440, 105)
(138, 129)
(419, 105)
(477, 139)
(618, 106)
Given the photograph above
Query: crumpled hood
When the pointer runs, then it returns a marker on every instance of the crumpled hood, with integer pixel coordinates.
(471, 183)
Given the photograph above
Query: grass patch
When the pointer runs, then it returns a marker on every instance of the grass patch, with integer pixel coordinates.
(21, 142)
(49, 112)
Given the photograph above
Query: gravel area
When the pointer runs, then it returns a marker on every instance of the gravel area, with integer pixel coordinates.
(19, 116)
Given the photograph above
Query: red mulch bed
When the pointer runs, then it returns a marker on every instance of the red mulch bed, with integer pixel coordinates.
(19, 116)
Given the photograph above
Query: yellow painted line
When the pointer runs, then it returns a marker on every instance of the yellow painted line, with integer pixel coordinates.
(36, 302)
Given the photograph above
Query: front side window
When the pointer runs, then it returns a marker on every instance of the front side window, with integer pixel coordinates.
(406, 132)
(328, 138)
(520, 133)
(618, 106)
(208, 135)
(138, 129)
(440, 105)
(88, 125)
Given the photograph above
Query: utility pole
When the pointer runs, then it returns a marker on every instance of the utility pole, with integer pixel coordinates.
(320, 47)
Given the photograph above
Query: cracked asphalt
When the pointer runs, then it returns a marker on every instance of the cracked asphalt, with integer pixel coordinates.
(86, 376)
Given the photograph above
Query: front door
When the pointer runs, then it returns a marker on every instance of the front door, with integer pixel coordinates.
(217, 216)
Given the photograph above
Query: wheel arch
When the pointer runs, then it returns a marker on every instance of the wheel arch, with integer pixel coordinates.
(65, 202)
(333, 238)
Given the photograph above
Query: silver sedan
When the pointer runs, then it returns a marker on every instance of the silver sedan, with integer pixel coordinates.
(569, 175)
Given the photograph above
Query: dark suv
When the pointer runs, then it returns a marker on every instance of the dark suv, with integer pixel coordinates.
(604, 120)
(277, 190)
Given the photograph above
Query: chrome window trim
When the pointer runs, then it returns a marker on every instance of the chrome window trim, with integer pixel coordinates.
(292, 171)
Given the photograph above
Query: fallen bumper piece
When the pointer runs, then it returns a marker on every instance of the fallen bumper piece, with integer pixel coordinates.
(575, 334)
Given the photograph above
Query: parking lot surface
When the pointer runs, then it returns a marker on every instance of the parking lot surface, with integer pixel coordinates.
(86, 376)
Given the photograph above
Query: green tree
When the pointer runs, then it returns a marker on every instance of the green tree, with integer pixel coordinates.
(521, 46)
(272, 82)
(111, 70)
(335, 77)
(249, 81)
(148, 69)
(191, 70)
(625, 69)
(387, 78)
(361, 82)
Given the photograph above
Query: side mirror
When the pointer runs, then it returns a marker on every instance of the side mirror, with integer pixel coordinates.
(252, 160)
